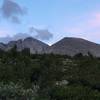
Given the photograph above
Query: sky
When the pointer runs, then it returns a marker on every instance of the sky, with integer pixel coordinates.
(50, 20)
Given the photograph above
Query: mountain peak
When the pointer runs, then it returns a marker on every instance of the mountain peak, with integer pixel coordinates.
(72, 46)
(66, 46)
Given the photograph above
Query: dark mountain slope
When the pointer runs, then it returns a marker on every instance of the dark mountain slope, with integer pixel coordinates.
(72, 46)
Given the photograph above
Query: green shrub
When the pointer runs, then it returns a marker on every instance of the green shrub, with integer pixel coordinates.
(13, 91)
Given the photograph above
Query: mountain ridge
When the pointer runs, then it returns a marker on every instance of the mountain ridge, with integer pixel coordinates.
(66, 46)
(73, 46)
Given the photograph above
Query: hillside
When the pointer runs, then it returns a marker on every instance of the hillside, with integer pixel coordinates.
(25, 76)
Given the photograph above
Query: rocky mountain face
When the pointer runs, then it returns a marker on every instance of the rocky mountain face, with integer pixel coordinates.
(34, 45)
(69, 46)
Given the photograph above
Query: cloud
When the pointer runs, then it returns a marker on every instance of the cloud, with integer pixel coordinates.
(11, 10)
(20, 36)
(5, 39)
(43, 34)
(15, 20)
(13, 38)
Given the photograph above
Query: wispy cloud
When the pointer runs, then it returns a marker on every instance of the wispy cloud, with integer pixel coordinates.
(12, 10)
(42, 34)
(17, 36)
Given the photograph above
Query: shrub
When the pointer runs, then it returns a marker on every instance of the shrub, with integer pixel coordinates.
(13, 91)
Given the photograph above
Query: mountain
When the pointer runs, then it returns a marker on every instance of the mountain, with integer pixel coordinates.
(72, 46)
(66, 46)
(34, 45)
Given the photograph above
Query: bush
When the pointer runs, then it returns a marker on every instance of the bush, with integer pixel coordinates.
(13, 91)
(74, 92)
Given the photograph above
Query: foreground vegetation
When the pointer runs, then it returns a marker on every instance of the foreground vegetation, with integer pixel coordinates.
(24, 76)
